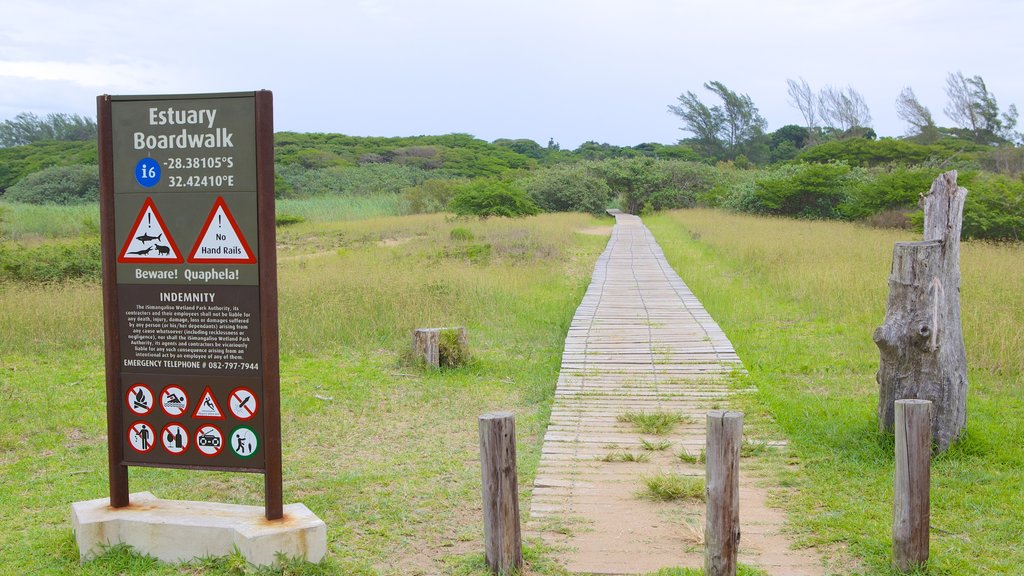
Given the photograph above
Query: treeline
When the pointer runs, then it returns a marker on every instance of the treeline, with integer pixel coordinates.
(821, 173)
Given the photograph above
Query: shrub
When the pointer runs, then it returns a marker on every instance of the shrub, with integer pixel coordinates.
(894, 189)
(490, 197)
(431, 195)
(288, 219)
(648, 184)
(802, 190)
(367, 180)
(568, 189)
(51, 262)
(461, 234)
(994, 207)
(57, 185)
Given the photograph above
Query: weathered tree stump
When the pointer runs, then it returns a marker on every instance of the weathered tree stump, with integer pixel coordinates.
(921, 342)
(441, 346)
(503, 542)
(911, 510)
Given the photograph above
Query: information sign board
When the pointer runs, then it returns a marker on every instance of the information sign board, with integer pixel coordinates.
(190, 287)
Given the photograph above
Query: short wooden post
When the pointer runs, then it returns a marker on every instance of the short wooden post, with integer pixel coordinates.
(911, 506)
(503, 545)
(441, 346)
(722, 483)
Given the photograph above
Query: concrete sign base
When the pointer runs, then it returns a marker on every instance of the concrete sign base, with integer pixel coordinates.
(179, 531)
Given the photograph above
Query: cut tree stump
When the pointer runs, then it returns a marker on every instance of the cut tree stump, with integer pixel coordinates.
(921, 342)
(441, 346)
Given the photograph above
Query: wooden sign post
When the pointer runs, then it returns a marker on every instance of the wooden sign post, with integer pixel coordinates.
(190, 286)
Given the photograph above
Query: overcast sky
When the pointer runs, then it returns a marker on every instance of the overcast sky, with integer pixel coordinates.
(572, 70)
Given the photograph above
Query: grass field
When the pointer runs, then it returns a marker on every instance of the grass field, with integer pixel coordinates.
(800, 300)
(384, 451)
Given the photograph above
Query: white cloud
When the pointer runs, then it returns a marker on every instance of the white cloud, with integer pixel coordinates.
(89, 75)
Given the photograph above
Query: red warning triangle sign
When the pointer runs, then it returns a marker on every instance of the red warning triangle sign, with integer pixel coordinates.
(208, 407)
(221, 242)
(149, 241)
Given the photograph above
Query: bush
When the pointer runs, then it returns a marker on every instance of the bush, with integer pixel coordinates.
(489, 197)
(431, 195)
(367, 180)
(801, 190)
(51, 262)
(568, 189)
(57, 185)
(287, 219)
(461, 234)
(895, 189)
(994, 207)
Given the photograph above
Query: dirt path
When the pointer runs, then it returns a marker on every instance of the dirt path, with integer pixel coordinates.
(641, 341)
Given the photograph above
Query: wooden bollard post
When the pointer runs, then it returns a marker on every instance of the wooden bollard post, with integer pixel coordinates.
(503, 544)
(911, 505)
(722, 483)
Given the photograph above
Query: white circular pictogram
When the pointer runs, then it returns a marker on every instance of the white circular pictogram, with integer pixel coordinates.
(139, 399)
(243, 403)
(174, 437)
(209, 440)
(173, 401)
(141, 437)
(243, 441)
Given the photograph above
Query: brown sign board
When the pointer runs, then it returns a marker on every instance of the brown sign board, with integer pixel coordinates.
(190, 285)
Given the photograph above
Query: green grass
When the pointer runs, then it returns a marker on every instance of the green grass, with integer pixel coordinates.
(658, 423)
(685, 456)
(655, 446)
(800, 300)
(31, 222)
(625, 457)
(335, 208)
(383, 451)
(672, 487)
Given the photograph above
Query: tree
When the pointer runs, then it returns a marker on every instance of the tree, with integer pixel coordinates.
(705, 123)
(911, 111)
(803, 99)
(723, 131)
(26, 128)
(975, 110)
(844, 110)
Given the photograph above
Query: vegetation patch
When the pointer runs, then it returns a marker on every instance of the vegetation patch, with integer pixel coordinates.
(689, 458)
(655, 445)
(672, 487)
(492, 197)
(460, 234)
(625, 457)
(288, 219)
(452, 350)
(51, 262)
(658, 423)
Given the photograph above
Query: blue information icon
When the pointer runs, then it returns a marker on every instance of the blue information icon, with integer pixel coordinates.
(147, 172)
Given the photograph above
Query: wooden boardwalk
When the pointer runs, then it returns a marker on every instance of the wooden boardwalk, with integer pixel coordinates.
(640, 342)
